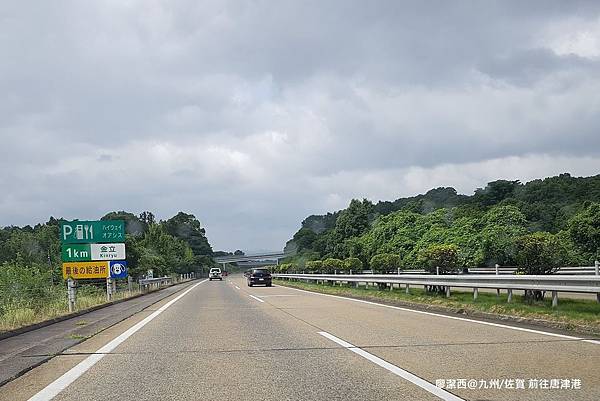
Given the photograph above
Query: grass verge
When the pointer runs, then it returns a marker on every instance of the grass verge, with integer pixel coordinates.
(571, 314)
(25, 312)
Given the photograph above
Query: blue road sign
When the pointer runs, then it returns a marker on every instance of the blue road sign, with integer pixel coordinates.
(118, 269)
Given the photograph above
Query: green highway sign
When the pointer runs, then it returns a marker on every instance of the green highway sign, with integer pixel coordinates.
(92, 252)
(87, 232)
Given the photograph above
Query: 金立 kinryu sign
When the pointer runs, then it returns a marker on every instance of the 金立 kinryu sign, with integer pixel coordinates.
(88, 232)
(89, 252)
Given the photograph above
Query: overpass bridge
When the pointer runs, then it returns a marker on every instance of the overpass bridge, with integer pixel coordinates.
(252, 260)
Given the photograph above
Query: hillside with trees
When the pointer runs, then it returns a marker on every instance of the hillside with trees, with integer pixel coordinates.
(549, 222)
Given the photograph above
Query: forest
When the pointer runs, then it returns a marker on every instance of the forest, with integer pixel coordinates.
(537, 227)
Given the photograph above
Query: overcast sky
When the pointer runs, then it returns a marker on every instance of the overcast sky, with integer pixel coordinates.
(254, 114)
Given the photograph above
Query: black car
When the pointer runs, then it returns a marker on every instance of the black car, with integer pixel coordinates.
(259, 276)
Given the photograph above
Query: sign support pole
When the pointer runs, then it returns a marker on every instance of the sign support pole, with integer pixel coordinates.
(109, 289)
(71, 294)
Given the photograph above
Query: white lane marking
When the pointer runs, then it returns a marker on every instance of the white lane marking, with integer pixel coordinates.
(424, 384)
(58, 385)
(282, 295)
(236, 287)
(257, 298)
(504, 326)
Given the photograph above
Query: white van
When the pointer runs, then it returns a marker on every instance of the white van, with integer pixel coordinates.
(215, 273)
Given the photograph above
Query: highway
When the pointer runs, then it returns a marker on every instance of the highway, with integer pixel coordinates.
(226, 341)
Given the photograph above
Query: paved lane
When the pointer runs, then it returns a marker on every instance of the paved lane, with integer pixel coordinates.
(226, 341)
(437, 347)
(217, 343)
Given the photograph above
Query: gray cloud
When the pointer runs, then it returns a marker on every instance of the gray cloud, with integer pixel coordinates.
(253, 115)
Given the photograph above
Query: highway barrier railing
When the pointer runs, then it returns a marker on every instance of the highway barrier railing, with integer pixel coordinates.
(147, 284)
(553, 283)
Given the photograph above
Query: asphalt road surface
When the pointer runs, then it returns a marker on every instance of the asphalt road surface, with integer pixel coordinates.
(226, 341)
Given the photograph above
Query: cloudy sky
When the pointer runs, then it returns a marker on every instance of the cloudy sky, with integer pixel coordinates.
(254, 114)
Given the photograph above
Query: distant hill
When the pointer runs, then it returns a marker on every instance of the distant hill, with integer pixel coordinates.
(545, 205)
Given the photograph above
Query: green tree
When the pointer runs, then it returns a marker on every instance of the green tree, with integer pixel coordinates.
(330, 265)
(385, 262)
(444, 257)
(501, 226)
(584, 231)
(354, 265)
(539, 253)
(351, 222)
(186, 227)
(314, 266)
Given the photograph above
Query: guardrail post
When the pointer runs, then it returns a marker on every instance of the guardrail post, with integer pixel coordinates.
(407, 288)
(447, 291)
(129, 284)
(475, 293)
(71, 294)
(554, 299)
(597, 270)
(398, 271)
(509, 295)
(437, 270)
(497, 266)
(391, 286)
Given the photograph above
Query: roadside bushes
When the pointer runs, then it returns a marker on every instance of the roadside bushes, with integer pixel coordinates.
(314, 266)
(385, 262)
(353, 265)
(539, 253)
(442, 258)
(445, 257)
(330, 265)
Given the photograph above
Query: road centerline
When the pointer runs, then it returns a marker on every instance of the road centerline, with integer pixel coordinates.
(256, 298)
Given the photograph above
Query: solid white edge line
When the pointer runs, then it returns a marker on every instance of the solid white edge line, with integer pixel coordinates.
(257, 298)
(504, 326)
(58, 385)
(424, 384)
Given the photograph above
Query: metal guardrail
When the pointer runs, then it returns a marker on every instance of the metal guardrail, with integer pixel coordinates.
(501, 270)
(146, 284)
(554, 283)
(513, 270)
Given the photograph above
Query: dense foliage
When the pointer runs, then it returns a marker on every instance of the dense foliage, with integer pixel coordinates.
(550, 222)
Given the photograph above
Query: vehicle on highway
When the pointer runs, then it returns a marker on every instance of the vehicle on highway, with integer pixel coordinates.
(259, 276)
(215, 274)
